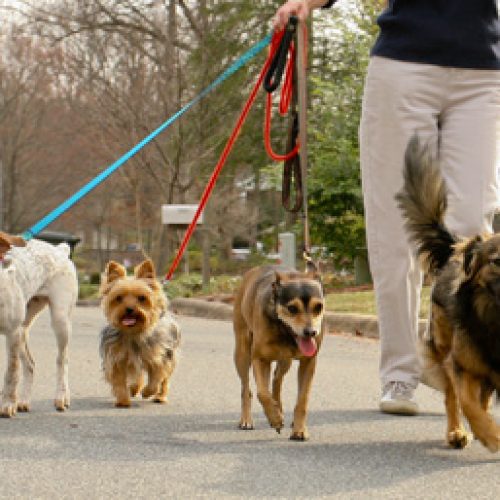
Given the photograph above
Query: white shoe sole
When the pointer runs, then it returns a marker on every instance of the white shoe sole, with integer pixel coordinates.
(399, 407)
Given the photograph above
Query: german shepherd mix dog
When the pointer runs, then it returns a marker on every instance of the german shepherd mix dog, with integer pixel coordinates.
(278, 316)
(461, 349)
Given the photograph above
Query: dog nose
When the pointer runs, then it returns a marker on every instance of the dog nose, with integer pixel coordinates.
(129, 310)
(310, 332)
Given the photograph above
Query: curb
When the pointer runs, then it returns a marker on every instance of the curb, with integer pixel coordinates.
(351, 324)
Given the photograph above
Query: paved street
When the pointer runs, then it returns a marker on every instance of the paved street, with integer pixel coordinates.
(191, 447)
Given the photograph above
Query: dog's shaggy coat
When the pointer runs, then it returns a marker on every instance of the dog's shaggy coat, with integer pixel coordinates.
(141, 336)
(461, 349)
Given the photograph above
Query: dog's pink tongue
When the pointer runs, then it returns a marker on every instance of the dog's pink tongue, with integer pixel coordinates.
(307, 346)
(129, 321)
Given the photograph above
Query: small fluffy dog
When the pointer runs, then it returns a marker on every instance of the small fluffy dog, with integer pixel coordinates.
(461, 349)
(32, 275)
(141, 336)
(278, 316)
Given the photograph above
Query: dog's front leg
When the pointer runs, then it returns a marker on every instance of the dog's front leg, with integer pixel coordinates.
(262, 375)
(118, 380)
(11, 381)
(456, 435)
(482, 423)
(281, 370)
(307, 367)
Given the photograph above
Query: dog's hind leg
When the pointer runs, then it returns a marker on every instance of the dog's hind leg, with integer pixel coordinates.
(11, 381)
(262, 374)
(162, 395)
(307, 367)
(486, 395)
(61, 324)
(35, 305)
(23, 404)
(242, 362)
(280, 371)
(155, 377)
(482, 423)
(138, 385)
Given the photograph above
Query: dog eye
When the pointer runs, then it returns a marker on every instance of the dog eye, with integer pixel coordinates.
(118, 299)
(292, 309)
(141, 298)
(317, 309)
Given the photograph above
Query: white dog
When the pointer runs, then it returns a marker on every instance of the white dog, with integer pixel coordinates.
(32, 275)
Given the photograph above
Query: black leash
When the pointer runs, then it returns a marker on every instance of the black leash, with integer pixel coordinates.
(294, 168)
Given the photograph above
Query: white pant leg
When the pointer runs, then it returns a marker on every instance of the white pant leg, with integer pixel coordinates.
(457, 110)
(469, 149)
(399, 99)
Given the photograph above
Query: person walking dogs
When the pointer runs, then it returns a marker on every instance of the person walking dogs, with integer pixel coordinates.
(433, 71)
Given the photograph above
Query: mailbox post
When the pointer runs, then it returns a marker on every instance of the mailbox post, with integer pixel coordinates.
(179, 217)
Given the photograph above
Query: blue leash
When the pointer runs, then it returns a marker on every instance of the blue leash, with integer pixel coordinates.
(66, 205)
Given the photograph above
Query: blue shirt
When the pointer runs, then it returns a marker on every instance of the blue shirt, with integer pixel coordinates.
(456, 33)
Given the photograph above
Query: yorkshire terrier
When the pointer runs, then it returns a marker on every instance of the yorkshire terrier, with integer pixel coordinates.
(141, 335)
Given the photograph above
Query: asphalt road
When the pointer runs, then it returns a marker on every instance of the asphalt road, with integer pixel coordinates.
(191, 447)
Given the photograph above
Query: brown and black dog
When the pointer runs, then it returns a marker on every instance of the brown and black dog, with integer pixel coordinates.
(278, 316)
(461, 349)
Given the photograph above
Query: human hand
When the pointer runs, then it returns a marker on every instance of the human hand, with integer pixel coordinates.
(299, 8)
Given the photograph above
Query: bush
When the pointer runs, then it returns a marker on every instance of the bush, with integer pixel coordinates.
(88, 291)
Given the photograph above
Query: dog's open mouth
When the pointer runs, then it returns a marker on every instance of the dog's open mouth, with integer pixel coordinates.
(307, 345)
(129, 319)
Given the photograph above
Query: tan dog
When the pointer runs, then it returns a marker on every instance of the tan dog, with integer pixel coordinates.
(461, 349)
(278, 316)
(141, 337)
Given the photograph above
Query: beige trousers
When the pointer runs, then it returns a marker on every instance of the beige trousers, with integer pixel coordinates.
(456, 111)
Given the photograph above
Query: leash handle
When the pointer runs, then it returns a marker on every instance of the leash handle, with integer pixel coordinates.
(274, 74)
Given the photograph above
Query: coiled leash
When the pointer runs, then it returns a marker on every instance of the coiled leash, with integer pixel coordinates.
(271, 72)
(288, 97)
(293, 95)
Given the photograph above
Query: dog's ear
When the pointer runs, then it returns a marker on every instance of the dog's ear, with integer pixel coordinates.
(278, 278)
(7, 241)
(312, 268)
(471, 257)
(114, 271)
(145, 270)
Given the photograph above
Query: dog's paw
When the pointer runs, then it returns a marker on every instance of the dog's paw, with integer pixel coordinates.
(276, 419)
(23, 406)
(62, 400)
(8, 409)
(135, 389)
(245, 425)
(122, 403)
(149, 391)
(61, 404)
(160, 399)
(299, 435)
(459, 438)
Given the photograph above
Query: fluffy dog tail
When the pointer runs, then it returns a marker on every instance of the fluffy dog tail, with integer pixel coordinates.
(423, 202)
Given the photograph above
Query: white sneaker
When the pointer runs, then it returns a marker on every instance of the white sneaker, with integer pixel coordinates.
(397, 398)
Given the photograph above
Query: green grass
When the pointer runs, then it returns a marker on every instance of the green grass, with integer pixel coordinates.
(355, 302)
(364, 302)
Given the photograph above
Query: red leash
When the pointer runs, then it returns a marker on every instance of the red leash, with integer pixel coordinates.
(286, 93)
